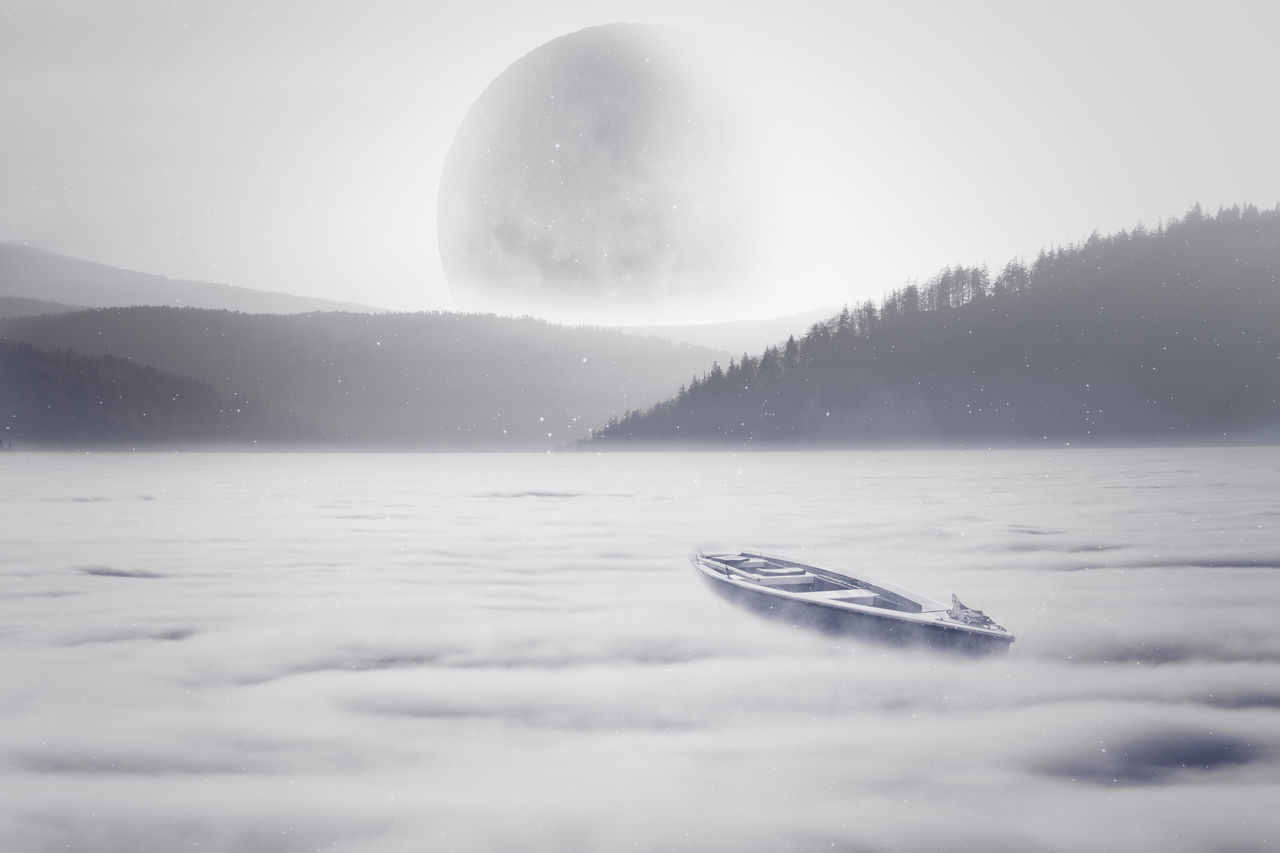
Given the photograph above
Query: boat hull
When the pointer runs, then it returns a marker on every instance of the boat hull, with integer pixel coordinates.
(863, 623)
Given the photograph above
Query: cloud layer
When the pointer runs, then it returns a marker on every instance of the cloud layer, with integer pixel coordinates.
(386, 652)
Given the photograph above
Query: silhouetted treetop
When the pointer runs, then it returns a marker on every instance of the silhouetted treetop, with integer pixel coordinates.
(1164, 334)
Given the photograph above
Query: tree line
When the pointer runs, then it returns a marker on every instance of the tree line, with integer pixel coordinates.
(62, 398)
(419, 380)
(1145, 334)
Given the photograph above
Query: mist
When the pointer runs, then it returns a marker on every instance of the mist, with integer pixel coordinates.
(389, 652)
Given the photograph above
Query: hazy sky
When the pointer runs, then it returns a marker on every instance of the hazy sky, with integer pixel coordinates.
(298, 146)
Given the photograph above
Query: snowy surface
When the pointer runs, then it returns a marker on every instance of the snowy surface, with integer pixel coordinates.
(510, 652)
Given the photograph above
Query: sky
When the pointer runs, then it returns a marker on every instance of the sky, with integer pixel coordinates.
(298, 146)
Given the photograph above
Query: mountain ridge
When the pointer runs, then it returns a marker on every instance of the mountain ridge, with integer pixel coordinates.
(63, 398)
(1167, 335)
(431, 380)
(27, 272)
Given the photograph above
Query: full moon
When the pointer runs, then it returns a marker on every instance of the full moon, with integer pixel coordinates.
(599, 179)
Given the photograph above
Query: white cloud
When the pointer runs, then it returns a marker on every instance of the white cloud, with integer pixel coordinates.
(475, 662)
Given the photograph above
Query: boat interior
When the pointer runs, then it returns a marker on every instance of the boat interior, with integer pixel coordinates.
(812, 583)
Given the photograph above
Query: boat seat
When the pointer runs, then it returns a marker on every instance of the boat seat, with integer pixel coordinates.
(852, 596)
(783, 581)
(776, 571)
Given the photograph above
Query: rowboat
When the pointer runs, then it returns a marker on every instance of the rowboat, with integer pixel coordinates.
(841, 603)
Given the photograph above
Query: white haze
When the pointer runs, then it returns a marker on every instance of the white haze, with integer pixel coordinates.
(509, 652)
(297, 146)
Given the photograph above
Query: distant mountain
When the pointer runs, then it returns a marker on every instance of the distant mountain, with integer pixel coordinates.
(18, 306)
(740, 336)
(1171, 335)
(63, 399)
(428, 380)
(30, 273)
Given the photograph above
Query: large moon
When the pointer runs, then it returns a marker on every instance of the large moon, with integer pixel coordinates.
(600, 179)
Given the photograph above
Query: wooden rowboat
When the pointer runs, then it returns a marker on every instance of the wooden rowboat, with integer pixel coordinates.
(841, 603)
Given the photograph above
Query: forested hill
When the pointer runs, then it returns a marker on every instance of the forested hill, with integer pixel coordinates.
(1165, 335)
(68, 399)
(426, 380)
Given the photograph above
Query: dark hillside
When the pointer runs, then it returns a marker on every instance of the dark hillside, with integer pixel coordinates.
(1165, 335)
(60, 399)
(414, 380)
(19, 306)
